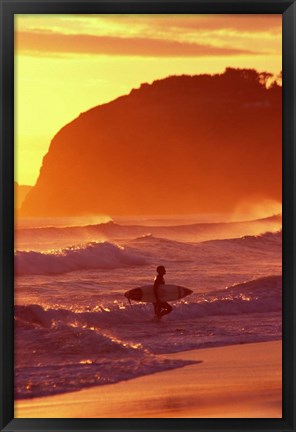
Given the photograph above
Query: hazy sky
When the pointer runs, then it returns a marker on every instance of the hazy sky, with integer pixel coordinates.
(66, 64)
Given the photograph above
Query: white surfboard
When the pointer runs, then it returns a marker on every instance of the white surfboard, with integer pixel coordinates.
(165, 293)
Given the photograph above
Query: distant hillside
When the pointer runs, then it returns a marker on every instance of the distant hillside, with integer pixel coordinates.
(185, 144)
(20, 193)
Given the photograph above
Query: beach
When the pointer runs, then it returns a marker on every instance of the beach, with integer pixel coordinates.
(236, 381)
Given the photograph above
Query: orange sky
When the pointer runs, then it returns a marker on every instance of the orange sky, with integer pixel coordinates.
(66, 64)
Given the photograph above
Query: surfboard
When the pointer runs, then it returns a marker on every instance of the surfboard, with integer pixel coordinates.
(165, 293)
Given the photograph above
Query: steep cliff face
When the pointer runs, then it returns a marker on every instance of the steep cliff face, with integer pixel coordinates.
(180, 145)
(20, 193)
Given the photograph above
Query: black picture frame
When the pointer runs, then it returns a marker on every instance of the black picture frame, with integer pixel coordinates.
(10, 7)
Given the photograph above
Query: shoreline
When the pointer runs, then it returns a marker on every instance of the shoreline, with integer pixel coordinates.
(233, 381)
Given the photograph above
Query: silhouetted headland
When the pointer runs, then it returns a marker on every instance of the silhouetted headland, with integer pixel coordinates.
(184, 144)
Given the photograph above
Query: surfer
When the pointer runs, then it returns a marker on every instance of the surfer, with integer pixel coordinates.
(160, 308)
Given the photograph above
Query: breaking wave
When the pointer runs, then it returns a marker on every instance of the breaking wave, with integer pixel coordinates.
(92, 255)
(114, 231)
(256, 296)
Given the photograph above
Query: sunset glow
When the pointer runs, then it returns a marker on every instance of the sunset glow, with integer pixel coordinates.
(68, 64)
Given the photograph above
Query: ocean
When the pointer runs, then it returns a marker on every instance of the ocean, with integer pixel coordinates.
(75, 329)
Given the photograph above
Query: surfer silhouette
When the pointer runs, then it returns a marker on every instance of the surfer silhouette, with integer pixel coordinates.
(160, 308)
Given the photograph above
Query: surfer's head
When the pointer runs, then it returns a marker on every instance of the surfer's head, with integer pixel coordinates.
(161, 270)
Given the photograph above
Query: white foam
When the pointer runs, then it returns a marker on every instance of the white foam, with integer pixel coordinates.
(89, 256)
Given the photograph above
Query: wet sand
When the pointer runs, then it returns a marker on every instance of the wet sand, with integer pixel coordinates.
(237, 381)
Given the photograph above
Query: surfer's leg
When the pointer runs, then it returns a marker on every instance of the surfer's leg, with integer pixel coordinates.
(165, 309)
(157, 309)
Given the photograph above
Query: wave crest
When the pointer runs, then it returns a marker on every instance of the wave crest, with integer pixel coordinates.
(92, 255)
